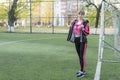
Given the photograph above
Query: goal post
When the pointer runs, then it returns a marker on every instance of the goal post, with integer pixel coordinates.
(109, 36)
(101, 35)
(101, 44)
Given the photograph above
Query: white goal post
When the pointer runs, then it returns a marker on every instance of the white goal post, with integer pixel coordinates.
(115, 43)
(101, 43)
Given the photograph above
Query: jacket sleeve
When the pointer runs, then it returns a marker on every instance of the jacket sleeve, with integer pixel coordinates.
(70, 33)
(86, 29)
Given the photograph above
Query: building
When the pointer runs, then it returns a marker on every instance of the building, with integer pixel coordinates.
(65, 11)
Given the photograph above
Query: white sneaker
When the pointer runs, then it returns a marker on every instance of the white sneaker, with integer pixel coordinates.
(81, 74)
(78, 72)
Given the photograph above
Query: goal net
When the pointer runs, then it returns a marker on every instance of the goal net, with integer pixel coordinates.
(109, 40)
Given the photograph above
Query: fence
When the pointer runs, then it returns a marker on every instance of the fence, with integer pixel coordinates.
(41, 16)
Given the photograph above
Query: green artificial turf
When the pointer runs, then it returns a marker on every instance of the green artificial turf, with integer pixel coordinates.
(44, 57)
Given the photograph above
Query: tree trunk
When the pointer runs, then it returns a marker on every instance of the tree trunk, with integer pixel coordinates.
(11, 17)
(97, 18)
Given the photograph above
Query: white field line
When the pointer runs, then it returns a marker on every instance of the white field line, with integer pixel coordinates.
(98, 71)
(10, 42)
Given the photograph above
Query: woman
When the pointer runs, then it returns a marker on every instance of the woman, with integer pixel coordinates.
(79, 29)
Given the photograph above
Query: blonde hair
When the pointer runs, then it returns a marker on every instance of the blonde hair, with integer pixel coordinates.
(81, 11)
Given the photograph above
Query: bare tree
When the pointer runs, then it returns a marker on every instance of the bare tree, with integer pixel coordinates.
(98, 10)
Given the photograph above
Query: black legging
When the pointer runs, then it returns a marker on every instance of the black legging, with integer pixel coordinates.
(81, 51)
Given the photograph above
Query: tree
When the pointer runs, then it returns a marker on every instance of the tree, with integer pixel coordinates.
(98, 10)
(21, 11)
(3, 10)
(91, 14)
(46, 12)
(11, 16)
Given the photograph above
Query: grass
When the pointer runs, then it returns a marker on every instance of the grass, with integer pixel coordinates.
(43, 29)
(45, 57)
(110, 70)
